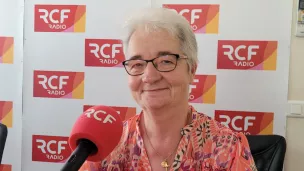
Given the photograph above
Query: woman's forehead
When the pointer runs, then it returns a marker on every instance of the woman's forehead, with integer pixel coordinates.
(154, 43)
(157, 54)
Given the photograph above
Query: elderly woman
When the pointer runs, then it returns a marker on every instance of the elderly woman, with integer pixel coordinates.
(169, 134)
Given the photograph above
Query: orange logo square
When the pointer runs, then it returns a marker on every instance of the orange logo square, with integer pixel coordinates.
(203, 18)
(246, 122)
(247, 55)
(5, 167)
(104, 53)
(50, 148)
(6, 50)
(60, 18)
(59, 84)
(6, 113)
(203, 89)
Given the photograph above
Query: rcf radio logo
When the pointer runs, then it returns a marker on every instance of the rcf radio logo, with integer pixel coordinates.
(203, 89)
(104, 52)
(50, 148)
(202, 18)
(249, 123)
(59, 84)
(5, 167)
(60, 18)
(6, 50)
(6, 113)
(247, 55)
(124, 112)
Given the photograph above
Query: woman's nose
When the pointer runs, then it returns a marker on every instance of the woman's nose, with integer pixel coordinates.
(151, 74)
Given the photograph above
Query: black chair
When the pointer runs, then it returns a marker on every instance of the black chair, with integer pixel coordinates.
(3, 136)
(268, 151)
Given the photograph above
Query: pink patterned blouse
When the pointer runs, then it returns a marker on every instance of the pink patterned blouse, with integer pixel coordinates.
(206, 145)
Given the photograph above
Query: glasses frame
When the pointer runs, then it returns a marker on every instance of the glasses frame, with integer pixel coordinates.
(178, 56)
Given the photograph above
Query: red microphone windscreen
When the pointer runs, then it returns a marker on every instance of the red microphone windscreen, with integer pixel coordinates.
(100, 124)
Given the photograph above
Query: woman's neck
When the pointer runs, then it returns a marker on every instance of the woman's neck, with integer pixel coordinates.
(165, 122)
(161, 132)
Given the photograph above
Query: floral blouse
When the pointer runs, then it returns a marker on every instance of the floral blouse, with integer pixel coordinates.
(206, 145)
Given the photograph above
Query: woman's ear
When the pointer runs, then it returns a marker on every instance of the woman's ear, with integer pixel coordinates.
(192, 73)
(193, 70)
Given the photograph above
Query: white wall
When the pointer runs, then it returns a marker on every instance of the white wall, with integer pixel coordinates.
(295, 122)
(296, 77)
(11, 73)
(295, 147)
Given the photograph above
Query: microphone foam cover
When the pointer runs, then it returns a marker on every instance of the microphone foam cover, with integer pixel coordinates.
(103, 126)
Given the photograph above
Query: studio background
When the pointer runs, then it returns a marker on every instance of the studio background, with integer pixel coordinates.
(248, 92)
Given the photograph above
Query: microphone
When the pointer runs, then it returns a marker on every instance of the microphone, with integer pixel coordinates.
(94, 136)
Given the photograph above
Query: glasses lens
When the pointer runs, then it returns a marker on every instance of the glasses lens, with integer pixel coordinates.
(135, 67)
(165, 63)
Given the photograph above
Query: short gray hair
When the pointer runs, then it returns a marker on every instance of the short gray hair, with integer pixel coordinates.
(168, 20)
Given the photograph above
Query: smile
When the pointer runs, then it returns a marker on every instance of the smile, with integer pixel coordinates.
(153, 90)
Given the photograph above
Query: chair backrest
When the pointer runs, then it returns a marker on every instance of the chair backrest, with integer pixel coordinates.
(268, 151)
(3, 136)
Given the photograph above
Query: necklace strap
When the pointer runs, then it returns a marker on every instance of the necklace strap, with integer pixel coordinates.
(166, 159)
(156, 150)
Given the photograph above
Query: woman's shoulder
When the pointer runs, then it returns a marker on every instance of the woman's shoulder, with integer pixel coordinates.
(215, 127)
(223, 141)
(130, 123)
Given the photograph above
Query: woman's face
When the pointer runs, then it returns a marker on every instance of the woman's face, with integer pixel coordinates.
(154, 89)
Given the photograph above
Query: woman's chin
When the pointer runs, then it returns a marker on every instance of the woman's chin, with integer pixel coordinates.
(155, 103)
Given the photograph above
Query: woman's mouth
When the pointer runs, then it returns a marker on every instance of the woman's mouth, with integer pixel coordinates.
(153, 90)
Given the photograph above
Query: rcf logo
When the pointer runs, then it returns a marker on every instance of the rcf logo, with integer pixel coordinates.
(60, 18)
(59, 84)
(5, 167)
(50, 148)
(246, 122)
(6, 113)
(124, 112)
(247, 55)
(203, 89)
(202, 18)
(6, 50)
(104, 52)
(100, 115)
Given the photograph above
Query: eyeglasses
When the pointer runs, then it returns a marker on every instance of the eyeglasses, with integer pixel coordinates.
(163, 63)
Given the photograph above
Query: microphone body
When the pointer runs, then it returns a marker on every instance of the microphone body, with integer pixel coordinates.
(94, 136)
(84, 149)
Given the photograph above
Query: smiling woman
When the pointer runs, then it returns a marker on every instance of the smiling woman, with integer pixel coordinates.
(169, 134)
(176, 80)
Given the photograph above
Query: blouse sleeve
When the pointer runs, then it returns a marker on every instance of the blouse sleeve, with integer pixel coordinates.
(243, 159)
(90, 166)
(232, 152)
(113, 162)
